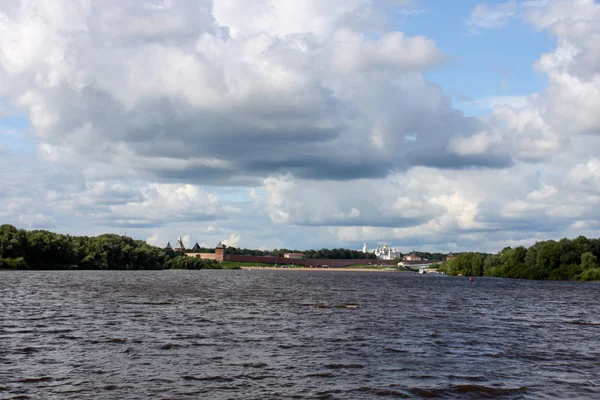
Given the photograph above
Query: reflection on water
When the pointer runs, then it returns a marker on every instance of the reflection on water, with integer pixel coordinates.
(293, 334)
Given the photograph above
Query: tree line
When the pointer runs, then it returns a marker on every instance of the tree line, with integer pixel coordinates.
(566, 259)
(43, 250)
(333, 254)
(430, 256)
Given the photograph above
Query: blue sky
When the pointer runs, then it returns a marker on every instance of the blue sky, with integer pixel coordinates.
(285, 123)
(13, 136)
(485, 63)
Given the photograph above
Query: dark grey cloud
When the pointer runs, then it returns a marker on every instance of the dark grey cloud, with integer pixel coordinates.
(163, 90)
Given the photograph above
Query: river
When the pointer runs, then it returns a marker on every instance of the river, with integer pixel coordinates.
(290, 334)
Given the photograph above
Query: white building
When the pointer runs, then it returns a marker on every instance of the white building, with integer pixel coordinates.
(386, 253)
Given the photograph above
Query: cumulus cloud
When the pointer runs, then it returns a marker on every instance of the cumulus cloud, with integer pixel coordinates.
(63, 194)
(201, 92)
(585, 177)
(450, 210)
(548, 122)
(233, 240)
(143, 112)
(523, 133)
(488, 210)
(573, 92)
(333, 203)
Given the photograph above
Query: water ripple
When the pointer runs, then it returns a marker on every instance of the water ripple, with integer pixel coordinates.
(328, 335)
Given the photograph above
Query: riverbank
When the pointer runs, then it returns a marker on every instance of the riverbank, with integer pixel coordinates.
(318, 269)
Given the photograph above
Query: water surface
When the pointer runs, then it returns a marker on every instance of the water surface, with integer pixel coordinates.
(295, 334)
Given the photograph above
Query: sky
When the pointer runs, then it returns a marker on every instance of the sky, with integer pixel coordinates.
(426, 125)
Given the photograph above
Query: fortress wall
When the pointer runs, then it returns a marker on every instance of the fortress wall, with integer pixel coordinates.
(283, 261)
(204, 256)
(258, 259)
(304, 261)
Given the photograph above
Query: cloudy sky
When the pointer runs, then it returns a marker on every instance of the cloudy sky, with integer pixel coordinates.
(424, 124)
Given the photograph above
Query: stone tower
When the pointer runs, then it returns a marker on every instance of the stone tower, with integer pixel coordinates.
(179, 246)
(220, 252)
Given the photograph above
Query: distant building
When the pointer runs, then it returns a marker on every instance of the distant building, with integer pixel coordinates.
(365, 248)
(168, 246)
(196, 247)
(386, 253)
(412, 257)
(179, 246)
(449, 257)
(293, 255)
(220, 252)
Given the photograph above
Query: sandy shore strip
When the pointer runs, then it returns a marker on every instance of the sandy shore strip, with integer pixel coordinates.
(316, 269)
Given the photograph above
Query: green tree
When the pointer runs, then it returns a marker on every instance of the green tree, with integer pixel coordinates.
(12, 242)
(185, 262)
(491, 265)
(589, 267)
(477, 264)
(548, 258)
(588, 261)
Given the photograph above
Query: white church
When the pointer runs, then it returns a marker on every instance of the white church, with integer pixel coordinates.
(384, 252)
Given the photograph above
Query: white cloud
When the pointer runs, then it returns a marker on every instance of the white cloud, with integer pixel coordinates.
(280, 18)
(585, 177)
(486, 17)
(190, 92)
(573, 93)
(155, 239)
(233, 240)
(36, 221)
(544, 193)
(478, 144)
(353, 53)
(361, 202)
(143, 112)
(547, 123)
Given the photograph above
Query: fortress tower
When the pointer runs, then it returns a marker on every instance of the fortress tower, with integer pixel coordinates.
(179, 246)
(220, 252)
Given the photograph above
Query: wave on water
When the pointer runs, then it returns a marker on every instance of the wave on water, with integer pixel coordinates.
(468, 391)
(34, 380)
(207, 378)
(226, 334)
(451, 391)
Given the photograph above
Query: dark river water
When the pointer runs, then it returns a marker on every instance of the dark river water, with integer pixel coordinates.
(295, 335)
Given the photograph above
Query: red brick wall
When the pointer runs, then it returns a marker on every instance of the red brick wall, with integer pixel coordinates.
(204, 256)
(303, 261)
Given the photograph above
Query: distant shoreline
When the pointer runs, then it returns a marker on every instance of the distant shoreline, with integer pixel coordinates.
(317, 269)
